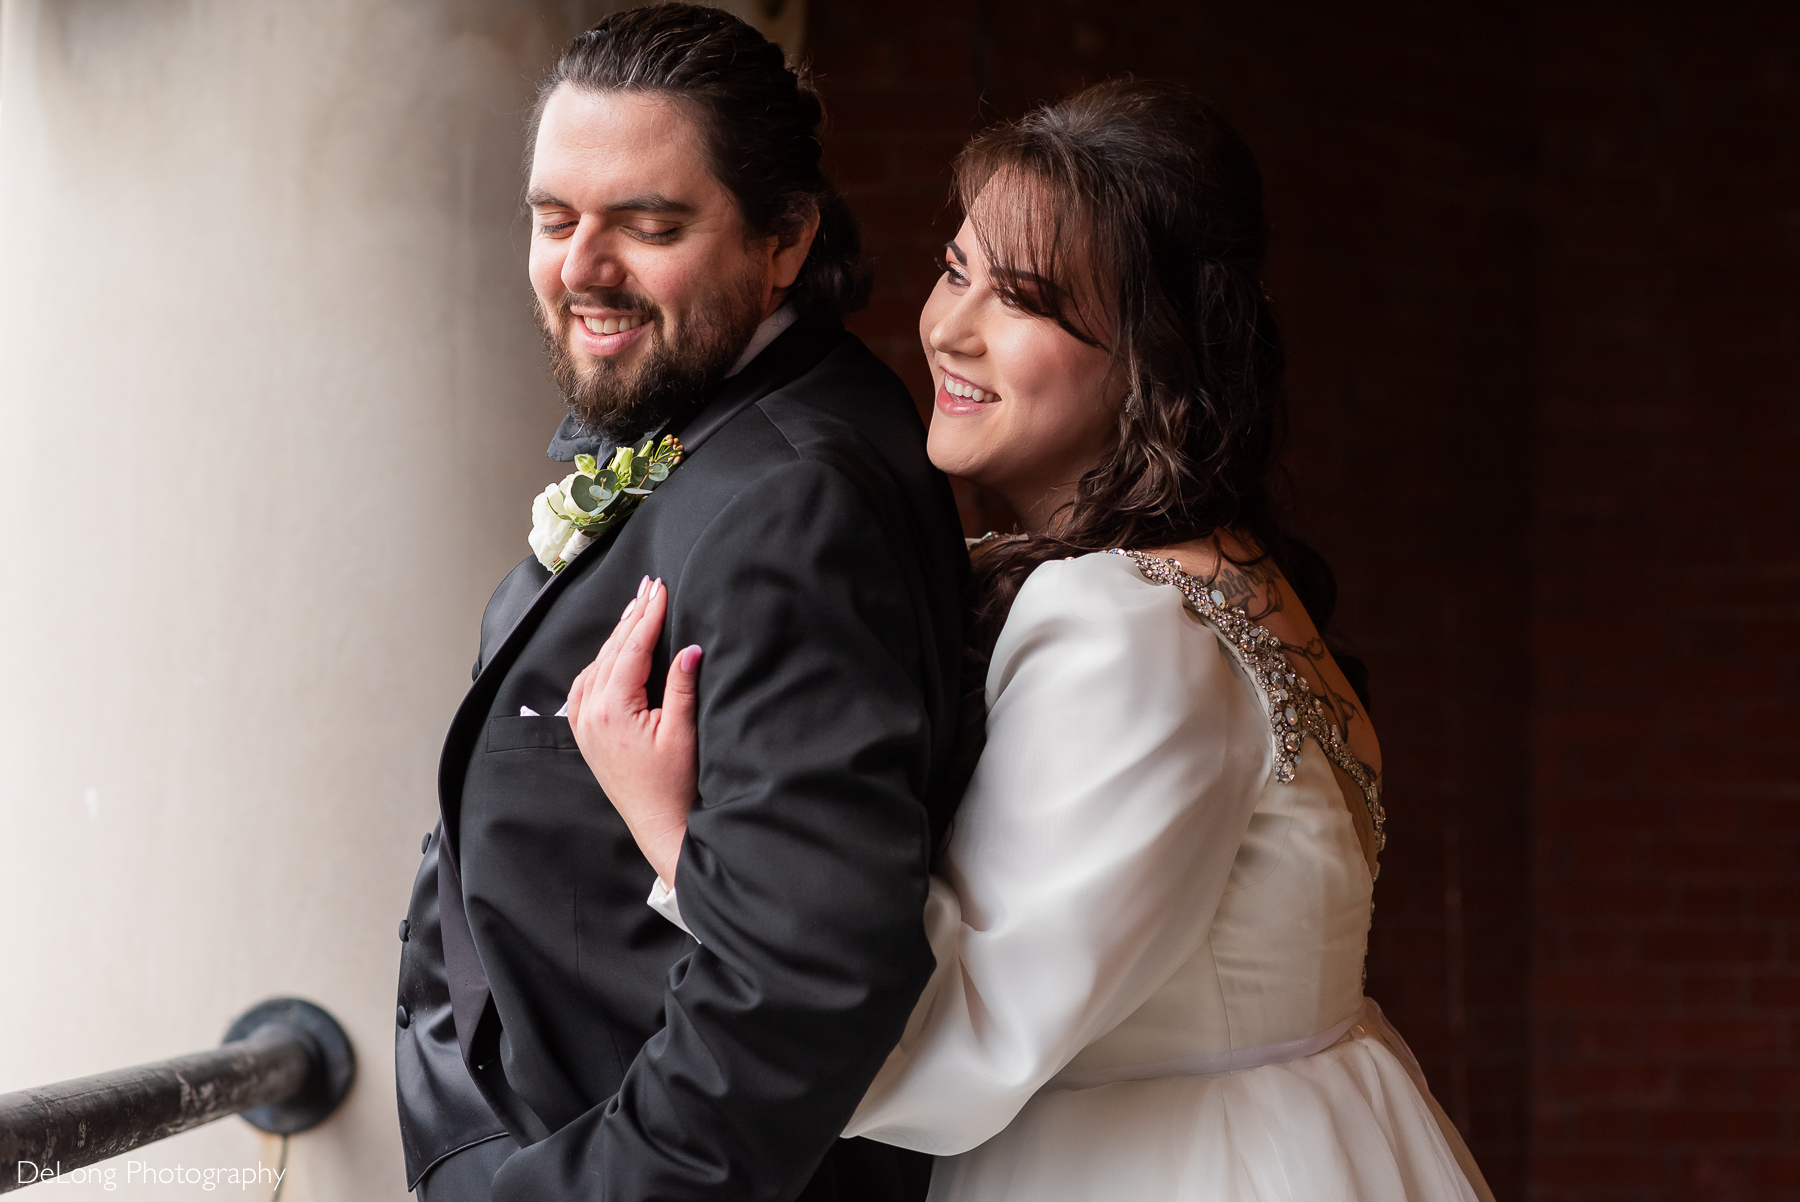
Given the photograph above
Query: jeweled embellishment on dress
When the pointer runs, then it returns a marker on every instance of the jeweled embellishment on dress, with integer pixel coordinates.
(1294, 712)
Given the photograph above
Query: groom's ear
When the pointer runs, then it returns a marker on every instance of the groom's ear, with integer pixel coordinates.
(793, 244)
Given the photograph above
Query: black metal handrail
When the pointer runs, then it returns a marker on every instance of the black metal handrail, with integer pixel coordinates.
(285, 1066)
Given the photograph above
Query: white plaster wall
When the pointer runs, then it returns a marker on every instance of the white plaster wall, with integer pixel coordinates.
(272, 411)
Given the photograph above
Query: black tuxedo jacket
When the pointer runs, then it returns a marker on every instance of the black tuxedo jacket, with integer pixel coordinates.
(810, 547)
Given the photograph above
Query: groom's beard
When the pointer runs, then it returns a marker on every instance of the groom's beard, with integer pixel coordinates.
(680, 362)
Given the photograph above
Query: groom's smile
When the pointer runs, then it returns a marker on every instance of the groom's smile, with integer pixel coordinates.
(606, 334)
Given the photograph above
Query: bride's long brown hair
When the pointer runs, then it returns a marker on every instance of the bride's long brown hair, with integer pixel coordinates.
(1144, 200)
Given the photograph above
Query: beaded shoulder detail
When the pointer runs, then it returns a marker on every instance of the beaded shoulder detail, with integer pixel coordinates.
(1294, 712)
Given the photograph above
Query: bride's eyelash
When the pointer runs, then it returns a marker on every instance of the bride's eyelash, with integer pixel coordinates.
(946, 267)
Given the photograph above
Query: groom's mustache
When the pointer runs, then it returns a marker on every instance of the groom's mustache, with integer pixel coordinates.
(618, 301)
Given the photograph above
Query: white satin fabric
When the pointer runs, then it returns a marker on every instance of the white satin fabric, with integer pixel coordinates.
(1131, 894)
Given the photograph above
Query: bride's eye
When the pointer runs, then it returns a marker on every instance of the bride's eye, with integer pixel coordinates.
(953, 270)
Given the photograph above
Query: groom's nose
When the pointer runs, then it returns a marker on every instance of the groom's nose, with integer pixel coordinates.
(592, 264)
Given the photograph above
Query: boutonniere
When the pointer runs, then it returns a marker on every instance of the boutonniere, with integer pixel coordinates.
(591, 500)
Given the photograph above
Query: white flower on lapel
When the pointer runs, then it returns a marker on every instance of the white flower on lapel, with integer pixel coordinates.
(551, 528)
(572, 513)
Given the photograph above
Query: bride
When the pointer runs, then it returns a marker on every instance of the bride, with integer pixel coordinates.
(1151, 915)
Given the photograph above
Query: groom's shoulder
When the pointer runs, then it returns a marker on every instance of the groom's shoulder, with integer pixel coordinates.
(848, 410)
(821, 456)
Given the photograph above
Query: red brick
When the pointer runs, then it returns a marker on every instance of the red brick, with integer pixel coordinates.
(1599, 1125)
(1729, 988)
(1582, 987)
(1607, 1036)
(1707, 945)
(1697, 1037)
(1714, 1083)
(1602, 1169)
(1643, 1083)
(1776, 902)
(1776, 991)
(1782, 1171)
(1717, 901)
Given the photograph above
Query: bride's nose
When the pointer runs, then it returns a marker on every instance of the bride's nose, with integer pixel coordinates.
(955, 328)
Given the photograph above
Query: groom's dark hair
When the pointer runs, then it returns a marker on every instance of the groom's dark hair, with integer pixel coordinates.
(759, 120)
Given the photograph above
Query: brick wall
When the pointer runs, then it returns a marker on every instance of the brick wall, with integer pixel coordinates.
(1666, 557)
(1538, 270)
(1396, 158)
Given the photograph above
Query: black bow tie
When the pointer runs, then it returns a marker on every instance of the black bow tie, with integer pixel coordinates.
(571, 440)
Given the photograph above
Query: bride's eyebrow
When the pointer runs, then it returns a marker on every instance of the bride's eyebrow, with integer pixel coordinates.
(1022, 281)
(1013, 277)
(1017, 276)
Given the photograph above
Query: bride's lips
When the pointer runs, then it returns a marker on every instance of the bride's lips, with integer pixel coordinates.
(600, 344)
(952, 405)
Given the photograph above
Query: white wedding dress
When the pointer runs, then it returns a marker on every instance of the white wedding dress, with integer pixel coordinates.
(1150, 943)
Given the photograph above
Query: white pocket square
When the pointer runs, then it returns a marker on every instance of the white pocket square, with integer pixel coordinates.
(525, 711)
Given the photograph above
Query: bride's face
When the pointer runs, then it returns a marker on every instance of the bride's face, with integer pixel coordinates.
(1022, 406)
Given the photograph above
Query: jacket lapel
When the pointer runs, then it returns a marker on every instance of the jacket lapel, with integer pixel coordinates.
(472, 714)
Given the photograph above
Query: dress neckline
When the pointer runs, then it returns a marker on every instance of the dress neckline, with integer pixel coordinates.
(1294, 711)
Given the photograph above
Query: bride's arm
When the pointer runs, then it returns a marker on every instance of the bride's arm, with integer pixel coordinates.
(1124, 755)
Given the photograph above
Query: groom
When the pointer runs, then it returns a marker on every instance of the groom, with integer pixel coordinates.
(557, 1038)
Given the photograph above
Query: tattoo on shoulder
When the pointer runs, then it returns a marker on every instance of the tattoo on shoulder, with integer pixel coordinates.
(1256, 589)
(1346, 712)
(1250, 587)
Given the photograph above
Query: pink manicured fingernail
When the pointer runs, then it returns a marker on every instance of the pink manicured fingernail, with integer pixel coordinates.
(629, 606)
(690, 660)
(643, 587)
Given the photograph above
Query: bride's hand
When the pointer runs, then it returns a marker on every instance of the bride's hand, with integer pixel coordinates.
(645, 759)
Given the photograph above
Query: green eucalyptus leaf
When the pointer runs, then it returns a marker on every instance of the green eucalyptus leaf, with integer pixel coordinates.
(581, 491)
(659, 472)
(607, 481)
(637, 492)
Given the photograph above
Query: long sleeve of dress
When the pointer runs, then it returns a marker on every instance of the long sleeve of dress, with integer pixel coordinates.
(1125, 751)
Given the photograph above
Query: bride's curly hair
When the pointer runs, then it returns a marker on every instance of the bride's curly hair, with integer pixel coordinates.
(1138, 198)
